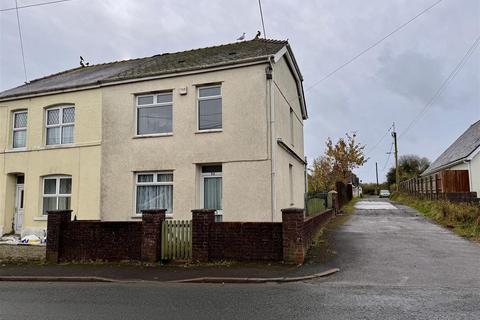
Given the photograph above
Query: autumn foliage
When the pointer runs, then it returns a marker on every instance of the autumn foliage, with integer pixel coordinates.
(337, 163)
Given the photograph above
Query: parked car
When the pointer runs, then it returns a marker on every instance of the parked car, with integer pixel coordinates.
(384, 194)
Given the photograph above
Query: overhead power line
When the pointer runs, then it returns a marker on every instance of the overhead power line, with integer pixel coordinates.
(444, 84)
(21, 42)
(328, 75)
(33, 5)
(388, 158)
(261, 16)
(379, 141)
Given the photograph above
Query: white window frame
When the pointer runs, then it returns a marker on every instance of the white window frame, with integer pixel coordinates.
(207, 175)
(208, 98)
(57, 189)
(19, 129)
(60, 124)
(153, 183)
(154, 104)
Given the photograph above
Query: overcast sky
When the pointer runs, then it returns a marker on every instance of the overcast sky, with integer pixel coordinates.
(392, 82)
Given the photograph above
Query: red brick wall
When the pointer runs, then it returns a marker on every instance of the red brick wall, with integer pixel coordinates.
(313, 224)
(245, 241)
(99, 240)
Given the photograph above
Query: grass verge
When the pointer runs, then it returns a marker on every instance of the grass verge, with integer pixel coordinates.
(462, 218)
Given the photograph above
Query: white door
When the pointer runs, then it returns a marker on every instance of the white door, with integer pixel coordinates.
(18, 220)
(211, 190)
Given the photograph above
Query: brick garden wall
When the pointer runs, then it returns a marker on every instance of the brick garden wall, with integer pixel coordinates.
(286, 241)
(245, 241)
(89, 240)
(100, 240)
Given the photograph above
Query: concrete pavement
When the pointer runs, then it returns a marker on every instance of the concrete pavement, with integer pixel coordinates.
(394, 265)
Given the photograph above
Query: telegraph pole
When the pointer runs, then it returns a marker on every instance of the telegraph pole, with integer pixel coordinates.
(397, 172)
(376, 173)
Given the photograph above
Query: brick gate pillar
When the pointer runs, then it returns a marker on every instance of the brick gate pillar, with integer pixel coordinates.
(293, 236)
(201, 220)
(55, 223)
(152, 220)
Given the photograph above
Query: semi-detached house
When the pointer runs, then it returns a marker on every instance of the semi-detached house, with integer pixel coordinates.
(218, 127)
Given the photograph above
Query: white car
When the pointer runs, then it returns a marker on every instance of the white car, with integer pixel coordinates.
(384, 194)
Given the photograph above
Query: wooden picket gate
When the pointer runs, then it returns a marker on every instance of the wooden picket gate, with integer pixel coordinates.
(176, 240)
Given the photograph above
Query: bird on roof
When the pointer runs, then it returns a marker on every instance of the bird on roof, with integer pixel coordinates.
(242, 37)
(257, 36)
(82, 62)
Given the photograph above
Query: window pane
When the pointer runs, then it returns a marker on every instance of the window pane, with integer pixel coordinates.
(165, 177)
(155, 120)
(53, 116)
(210, 114)
(20, 120)
(68, 115)
(53, 136)
(49, 203)
(206, 92)
(145, 100)
(212, 193)
(19, 138)
(65, 185)
(67, 134)
(49, 186)
(154, 197)
(145, 178)
(63, 203)
(166, 97)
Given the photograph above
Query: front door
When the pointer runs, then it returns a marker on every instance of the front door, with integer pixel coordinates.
(18, 220)
(211, 190)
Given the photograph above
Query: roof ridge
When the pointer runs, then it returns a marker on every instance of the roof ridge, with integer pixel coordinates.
(224, 45)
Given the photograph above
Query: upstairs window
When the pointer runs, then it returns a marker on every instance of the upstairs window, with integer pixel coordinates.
(19, 129)
(154, 113)
(209, 108)
(57, 193)
(60, 125)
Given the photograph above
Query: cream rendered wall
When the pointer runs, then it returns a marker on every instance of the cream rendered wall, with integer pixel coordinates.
(475, 174)
(285, 98)
(242, 145)
(81, 160)
(461, 166)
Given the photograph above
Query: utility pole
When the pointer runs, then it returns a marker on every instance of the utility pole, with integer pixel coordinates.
(376, 173)
(397, 172)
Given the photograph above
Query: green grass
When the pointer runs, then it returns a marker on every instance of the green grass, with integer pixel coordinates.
(350, 206)
(462, 218)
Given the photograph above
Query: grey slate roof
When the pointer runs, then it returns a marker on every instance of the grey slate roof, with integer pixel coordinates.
(161, 64)
(463, 147)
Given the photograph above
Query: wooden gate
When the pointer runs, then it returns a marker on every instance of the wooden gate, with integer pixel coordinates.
(176, 240)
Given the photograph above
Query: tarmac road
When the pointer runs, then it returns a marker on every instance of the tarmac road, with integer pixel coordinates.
(394, 265)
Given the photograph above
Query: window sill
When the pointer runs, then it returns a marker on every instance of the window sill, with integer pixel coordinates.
(41, 218)
(13, 150)
(208, 131)
(155, 135)
(139, 216)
